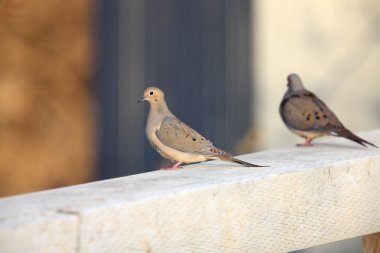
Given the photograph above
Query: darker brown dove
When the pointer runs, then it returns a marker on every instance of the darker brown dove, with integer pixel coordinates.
(175, 140)
(309, 117)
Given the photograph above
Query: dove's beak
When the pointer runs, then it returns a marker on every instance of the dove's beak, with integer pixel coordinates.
(140, 100)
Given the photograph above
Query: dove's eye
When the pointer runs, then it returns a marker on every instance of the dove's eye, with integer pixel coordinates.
(151, 93)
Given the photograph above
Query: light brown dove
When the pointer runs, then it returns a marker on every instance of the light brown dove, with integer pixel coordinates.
(175, 140)
(307, 116)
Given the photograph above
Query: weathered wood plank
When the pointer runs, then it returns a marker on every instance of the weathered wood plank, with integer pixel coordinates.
(54, 232)
(308, 197)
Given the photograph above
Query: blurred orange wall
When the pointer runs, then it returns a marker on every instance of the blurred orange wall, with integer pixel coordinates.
(46, 98)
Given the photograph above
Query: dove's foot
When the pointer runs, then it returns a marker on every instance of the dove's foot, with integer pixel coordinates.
(174, 167)
(306, 144)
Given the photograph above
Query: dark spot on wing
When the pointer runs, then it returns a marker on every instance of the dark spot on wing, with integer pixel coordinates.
(219, 151)
(187, 136)
(202, 139)
(309, 95)
(308, 117)
(194, 139)
(324, 116)
(334, 126)
(317, 117)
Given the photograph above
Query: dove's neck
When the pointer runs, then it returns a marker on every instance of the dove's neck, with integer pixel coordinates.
(159, 110)
(293, 90)
(297, 88)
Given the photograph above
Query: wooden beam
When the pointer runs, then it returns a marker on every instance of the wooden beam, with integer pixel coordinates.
(308, 197)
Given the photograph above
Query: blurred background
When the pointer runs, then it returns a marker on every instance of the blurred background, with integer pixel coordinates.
(71, 73)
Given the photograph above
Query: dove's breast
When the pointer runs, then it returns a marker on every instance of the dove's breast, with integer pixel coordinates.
(166, 151)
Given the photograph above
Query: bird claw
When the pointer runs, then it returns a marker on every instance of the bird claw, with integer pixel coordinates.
(174, 167)
(171, 168)
(306, 144)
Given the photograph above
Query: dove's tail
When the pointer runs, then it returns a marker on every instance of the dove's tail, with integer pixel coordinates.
(233, 159)
(350, 135)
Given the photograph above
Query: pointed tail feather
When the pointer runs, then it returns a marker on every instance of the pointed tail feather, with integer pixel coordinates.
(233, 159)
(350, 135)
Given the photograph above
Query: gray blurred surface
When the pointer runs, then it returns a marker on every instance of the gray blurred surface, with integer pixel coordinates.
(196, 51)
(344, 246)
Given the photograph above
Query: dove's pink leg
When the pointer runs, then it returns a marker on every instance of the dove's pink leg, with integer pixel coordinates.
(307, 143)
(174, 167)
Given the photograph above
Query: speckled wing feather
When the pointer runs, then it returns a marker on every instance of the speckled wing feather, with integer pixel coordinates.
(305, 111)
(177, 135)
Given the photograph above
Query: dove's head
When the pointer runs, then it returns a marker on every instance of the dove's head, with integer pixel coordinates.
(294, 82)
(153, 95)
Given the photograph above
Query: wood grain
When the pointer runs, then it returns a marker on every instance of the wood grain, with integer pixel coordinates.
(308, 197)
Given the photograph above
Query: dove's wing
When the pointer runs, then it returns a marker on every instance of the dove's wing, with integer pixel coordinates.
(179, 136)
(305, 111)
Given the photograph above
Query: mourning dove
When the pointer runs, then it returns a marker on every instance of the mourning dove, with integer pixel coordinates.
(307, 116)
(175, 140)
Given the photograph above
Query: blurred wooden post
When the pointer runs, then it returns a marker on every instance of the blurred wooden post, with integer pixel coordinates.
(371, 243)
(46, 100)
